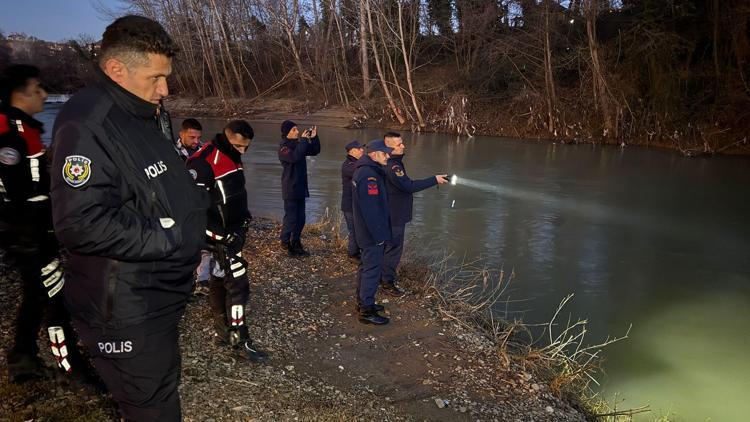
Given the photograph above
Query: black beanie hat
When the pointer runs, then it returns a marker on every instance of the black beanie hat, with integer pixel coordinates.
(286, 126)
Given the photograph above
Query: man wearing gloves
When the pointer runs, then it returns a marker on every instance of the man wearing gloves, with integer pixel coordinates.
(217, 167)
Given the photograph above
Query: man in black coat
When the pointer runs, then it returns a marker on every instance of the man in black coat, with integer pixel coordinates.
(293, 152)
(401, 190)
(354, 151)
(217, 167)
(131, 218)
(26, 233)
(372, 228)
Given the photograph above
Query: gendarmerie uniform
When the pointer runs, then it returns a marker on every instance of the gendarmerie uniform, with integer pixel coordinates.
(347, 172)
(26, 236)
(372, 228)
(133, 222)
(401, 190)
(293, 155)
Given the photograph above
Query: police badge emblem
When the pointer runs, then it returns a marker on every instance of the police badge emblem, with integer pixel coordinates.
(77, 170)
(399, 172)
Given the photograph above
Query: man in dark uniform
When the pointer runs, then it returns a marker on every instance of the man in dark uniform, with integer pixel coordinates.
(293, 150)
(401, 190)
(131, 218)
(217, 167)
(189, 141)
(372, 228)
(26, 230)
(354, 151)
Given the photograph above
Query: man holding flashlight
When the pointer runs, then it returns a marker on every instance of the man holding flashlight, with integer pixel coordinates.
(401, 190)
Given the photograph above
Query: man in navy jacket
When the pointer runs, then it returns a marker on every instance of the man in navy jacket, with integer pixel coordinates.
(354, 151)
(371, 226)
(293, 150)
(401, 190)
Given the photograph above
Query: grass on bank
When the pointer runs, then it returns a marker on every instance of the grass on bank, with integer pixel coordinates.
(468, 293)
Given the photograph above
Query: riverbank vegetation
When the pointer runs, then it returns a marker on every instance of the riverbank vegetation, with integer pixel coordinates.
(665, 73)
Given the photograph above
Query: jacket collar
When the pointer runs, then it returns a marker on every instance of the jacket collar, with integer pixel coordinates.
(18, 114)
(351, 158)
(124, 99)
(366, 161)
(222, 143)
(398, 159)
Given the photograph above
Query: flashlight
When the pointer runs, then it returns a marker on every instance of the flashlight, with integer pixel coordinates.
(453, 179)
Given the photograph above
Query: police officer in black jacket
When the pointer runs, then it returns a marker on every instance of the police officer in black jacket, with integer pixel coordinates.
(401, 190)
(372, 227)
(354, 151)
(293, 152)
(26, 231)
(131, 218)
(217, 167)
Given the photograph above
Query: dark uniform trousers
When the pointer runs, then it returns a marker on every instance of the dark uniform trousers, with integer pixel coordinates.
(394, 248)
(228, 291)
(368, 276)
(140, 366)
(352, 248)
(294, 219)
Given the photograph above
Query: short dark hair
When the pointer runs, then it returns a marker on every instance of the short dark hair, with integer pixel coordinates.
(391, 135)
(191, 124)
(242, 127)
(15, 78)
(131, 37)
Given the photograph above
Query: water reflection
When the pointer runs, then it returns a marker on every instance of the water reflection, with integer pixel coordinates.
(640, 236)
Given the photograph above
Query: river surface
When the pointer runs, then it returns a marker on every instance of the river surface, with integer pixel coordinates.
(641, 237)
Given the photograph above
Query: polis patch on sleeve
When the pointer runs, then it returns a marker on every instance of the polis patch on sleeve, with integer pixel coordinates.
(77, 170)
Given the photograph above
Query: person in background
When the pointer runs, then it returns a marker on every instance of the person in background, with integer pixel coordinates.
(217, 167)
(189, 141)
(372, 228)
(26, 233)
(401, 190)
(354, 151)
(131, 219)
(293, 152)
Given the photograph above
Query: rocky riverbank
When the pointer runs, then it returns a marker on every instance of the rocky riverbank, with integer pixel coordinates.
(324, 364)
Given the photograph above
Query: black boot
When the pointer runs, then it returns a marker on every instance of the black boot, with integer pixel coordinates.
(287, 247)
(391, 289)
(368, 315)
(376, 307)
(244, 348)
(221, 331)
(298, 249)
(24, 367)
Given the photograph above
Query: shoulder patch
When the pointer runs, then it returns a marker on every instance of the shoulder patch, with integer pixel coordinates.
(372, 178)
(77, 170)
(372, 188)
(193, 174)
(9, 156)
(398, 170)
(284, 150)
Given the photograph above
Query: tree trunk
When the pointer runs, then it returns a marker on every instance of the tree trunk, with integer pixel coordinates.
(364, 63)
(383, 82)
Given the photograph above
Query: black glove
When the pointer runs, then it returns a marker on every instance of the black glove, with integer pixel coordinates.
(236, 241)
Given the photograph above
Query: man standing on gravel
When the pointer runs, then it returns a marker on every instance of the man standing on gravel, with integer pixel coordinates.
(131, 218)
(354, 151)
(401, 190)
(217, 167)
(293, 152)
(370, 206)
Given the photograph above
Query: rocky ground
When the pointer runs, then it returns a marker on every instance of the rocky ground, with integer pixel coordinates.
(324, 364)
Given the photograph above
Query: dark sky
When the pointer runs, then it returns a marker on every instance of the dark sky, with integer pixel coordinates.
(54, 20)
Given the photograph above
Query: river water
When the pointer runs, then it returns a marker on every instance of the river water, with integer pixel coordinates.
(641, 237)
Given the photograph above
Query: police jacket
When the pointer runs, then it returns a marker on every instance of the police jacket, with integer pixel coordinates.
(401, 190)
(217, 167)
(347, 171)
(24, 178)
(370, 203)
(292, 153)
(125, 208)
